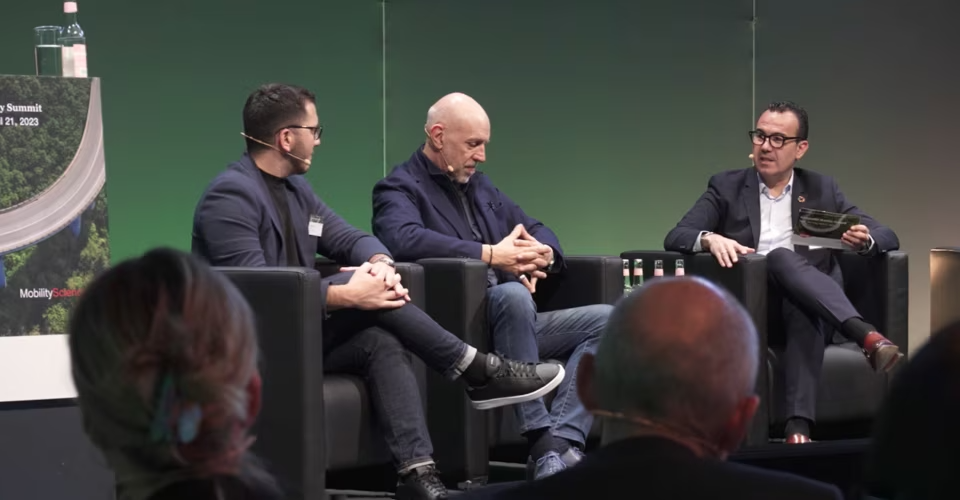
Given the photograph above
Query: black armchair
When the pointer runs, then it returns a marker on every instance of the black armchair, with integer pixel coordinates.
(311, 422)
(456, 299)
(849, 391)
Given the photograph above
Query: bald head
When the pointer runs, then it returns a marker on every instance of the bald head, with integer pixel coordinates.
(453, 110)
(678, 349)
(458, 131)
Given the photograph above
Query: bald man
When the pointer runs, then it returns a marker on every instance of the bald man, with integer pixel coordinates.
(437, 204)
(262, 212)
(674, 378)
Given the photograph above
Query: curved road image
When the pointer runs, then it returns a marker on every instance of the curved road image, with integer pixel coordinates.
(71, 194)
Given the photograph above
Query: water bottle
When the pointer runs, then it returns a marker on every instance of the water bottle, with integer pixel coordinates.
(626, 277)
(658, 268)
(679, 269)
(74, 55)
(637, 272)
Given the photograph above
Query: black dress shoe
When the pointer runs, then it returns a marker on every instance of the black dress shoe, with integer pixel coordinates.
(422, 483)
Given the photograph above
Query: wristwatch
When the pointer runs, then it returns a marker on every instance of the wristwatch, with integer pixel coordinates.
(386, 260)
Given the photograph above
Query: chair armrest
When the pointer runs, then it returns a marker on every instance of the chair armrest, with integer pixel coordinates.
(587, 279)
(456, 291)
(878, 288)
(290, 428)
(412, 278)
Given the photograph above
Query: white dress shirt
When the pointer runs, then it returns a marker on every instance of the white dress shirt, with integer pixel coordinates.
(776, 218)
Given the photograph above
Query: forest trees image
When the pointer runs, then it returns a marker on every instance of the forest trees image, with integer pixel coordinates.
(41, 128)
(32, 156)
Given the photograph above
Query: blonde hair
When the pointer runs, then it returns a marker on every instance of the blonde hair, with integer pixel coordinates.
(164, 350)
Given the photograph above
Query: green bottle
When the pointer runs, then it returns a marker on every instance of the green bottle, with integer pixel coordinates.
(626, 277)
(637, 272)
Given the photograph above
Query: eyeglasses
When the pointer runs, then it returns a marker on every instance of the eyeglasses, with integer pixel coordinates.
(317, 131)
(776, 140)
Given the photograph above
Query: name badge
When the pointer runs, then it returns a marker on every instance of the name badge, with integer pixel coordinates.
(316, 226)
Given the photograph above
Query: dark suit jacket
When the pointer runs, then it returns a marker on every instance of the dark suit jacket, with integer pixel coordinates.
(731, 207)
(236, 224)
(653, 468)
(416, 213)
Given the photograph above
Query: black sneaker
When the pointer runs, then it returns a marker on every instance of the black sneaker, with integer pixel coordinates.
(422, 483)
(511, 382)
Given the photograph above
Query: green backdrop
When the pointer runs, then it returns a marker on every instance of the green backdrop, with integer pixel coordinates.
(608, 117)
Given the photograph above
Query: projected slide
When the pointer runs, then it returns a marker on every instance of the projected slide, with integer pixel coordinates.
(53, 225)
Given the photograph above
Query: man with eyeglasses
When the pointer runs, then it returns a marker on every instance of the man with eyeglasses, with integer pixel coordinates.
(262, 212)
(754, 210)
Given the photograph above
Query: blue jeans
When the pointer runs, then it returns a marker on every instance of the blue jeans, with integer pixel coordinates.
(376, 345)
(521, 333)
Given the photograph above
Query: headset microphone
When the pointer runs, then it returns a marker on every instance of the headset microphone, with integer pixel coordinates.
(304, 160)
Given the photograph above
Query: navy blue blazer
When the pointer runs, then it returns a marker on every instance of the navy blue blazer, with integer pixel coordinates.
(236, 224)
(731, 207)
(417, 215)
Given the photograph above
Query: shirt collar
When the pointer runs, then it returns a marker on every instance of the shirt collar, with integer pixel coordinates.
(764, 190)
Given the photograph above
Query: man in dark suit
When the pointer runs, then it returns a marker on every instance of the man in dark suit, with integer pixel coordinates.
(436, 204)
(755, 210)
(673, 379)
(262, 212)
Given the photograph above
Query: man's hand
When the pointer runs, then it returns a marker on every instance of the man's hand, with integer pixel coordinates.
(723, 249)
(546, 255)
(374, 286)
(530, 283)
(857, 237)
(517, 259)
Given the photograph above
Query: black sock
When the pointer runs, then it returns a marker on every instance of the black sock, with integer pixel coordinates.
(857, 329)
(476, 373)
(541, 442)
(797, 425)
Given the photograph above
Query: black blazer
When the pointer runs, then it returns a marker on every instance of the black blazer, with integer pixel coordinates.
(654, 468)
(731, 207)
(236, 223)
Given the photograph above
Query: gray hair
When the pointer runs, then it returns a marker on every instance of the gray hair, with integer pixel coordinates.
(678, 350)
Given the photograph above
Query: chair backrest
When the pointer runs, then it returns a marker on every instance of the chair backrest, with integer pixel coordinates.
(290, 428)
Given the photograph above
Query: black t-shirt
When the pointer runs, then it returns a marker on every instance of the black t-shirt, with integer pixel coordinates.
(280, 195)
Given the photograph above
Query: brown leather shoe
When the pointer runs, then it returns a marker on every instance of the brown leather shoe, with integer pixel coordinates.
(798, 439)
(882, 354)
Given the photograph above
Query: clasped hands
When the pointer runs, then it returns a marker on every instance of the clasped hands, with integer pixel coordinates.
(521, 254)
(375, 286)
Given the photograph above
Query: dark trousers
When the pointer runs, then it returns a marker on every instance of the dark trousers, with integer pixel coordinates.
(807, 306)
(376, 345)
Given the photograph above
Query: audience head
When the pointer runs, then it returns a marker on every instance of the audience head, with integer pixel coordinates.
(164, 359)
(916, 449)
(458, 131)
(678, 359)
(280, 124)
(780, 139)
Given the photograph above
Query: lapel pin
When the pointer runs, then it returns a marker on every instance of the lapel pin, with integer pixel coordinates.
(801, 199)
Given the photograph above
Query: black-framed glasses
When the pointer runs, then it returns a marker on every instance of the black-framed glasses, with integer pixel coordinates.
(776, 140)
(317, 131)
